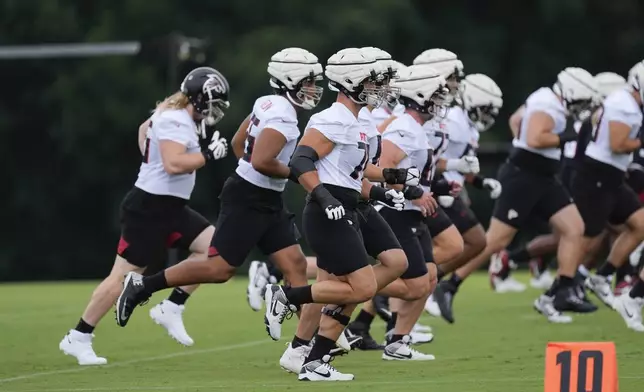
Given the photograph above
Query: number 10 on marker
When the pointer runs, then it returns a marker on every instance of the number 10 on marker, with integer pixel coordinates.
(581, 367)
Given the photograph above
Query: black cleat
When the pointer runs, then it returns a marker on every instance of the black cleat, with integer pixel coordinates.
(444, 297)
(568, 300)
(381, 304)
(133, 294)
(367, 343)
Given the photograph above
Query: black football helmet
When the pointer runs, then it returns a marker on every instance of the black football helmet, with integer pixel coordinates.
(207, 90)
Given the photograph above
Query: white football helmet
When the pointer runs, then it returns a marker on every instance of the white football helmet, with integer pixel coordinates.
(609, 82)
(482, 100)
(447, 64)
(636, 78)
(578, 89)
(390, 70)
(294, 72)
(423, 89)
(357, 75)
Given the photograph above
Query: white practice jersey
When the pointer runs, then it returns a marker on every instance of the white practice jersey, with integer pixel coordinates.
(543, 100)
(274, 112)
(373, 136)
(408, 135)
(570, 148)
(438, 141)
(344, 165)
(382, 113)
(619, 106)
(463, 137)
(175, 126)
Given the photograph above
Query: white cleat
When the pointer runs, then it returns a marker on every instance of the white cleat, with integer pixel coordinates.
(543, 281)
(347, 340)
(421, 337)
(507, 285)
(79, 345)
(321, 370)
(277, 309)
(402, 351)
(421, 328)
(432, 308)
(258, 277)
(546, 307)
(631, 311)
(293, 358)
(415, 337)
(601, 287)
(170, 316)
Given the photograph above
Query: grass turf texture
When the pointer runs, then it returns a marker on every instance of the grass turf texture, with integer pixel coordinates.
(497, 344)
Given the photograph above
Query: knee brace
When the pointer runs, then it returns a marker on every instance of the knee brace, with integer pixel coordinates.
(337, 315)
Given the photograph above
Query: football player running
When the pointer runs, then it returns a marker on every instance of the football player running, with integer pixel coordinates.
(602, 196)
(329, 163)
(537, 251)
(405, 144)
(154, 214)
(481, 100)
(530, 187)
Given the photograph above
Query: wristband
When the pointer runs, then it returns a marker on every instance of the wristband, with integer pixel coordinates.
(378, 193)
(441, 188)
(394, 176)
(323, 196)
(413, 192)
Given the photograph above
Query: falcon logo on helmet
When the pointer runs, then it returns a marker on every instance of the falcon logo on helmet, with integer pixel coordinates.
(357, 75)
(294, 72)
(207, 90)
(482, 100)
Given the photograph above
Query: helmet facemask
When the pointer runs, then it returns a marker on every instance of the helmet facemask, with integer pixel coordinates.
(483, 117)
(307, 94)
(393, 93)
(371, 91)
(438, 104)
(577, 108)
(214, 111)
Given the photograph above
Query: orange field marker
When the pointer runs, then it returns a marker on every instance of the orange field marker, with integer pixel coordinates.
(581, 367)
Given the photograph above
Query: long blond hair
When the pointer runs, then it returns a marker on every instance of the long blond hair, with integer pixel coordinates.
(175, 101)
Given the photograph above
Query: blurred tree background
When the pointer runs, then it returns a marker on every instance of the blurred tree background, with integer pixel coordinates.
(69, 125)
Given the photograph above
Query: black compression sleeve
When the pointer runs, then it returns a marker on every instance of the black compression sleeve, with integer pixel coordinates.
(303, 161)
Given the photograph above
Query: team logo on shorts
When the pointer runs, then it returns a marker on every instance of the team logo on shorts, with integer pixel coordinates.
(512, 214)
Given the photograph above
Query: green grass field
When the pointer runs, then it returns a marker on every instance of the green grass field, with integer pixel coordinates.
(496, 345)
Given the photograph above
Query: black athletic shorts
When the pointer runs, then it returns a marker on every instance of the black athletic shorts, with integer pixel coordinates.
(602, 196)
(376, 233)
(529, 191)
(461, 216)
(251, 216)
(151, 224)
(338, 244)
(408, 227)
(425, 237)
(438, 222)
(567, 172)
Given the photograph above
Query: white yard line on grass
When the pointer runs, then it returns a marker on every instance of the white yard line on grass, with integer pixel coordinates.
(284, 385)
(123, 363)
